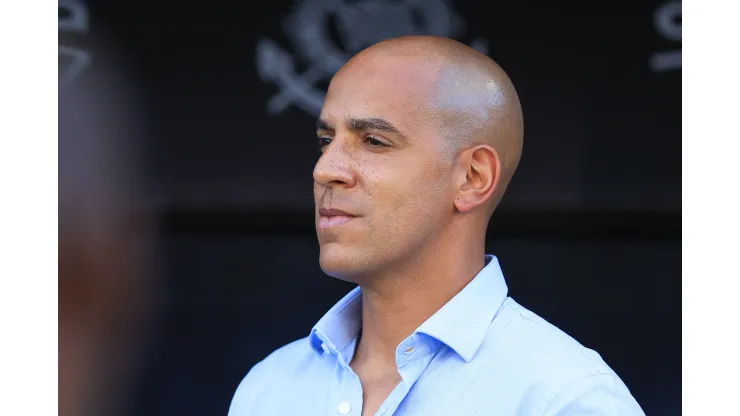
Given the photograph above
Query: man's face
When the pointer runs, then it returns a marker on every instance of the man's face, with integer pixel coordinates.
(382, 186)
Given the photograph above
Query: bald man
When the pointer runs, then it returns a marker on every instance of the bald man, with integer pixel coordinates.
(420, 137)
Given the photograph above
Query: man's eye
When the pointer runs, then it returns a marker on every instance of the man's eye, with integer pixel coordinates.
(323, 141)
(372, 141)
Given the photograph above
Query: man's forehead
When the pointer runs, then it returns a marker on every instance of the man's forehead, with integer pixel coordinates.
(385, 78)
(391, 89)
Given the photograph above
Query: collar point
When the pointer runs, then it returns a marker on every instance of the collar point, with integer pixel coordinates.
(467, 356)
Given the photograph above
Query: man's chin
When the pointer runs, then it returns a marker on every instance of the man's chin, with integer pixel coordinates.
(340, 262)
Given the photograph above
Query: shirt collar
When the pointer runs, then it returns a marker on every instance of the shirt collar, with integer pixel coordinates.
(338, 327)
(461, 324)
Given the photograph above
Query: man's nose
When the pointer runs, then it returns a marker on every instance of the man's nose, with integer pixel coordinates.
(333, 167)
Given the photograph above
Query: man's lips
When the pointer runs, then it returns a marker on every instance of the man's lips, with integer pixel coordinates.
(333, 217)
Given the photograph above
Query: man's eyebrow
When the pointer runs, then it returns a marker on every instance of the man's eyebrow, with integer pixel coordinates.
(379, 124)
(322, 125)
(361, 124)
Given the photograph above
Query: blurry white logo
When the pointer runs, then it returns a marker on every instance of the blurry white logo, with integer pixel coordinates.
(74, 19)
(357, 24)
(667, 21)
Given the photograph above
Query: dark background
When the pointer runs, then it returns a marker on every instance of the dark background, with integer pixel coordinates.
(588, 235)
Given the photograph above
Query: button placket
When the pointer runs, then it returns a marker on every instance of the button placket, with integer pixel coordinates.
(349, 399)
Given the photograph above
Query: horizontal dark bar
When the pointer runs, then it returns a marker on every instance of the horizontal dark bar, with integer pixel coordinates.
(662, 225)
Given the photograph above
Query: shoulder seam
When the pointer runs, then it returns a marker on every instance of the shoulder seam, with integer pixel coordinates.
(508, 305)
(596, 367)
(566, 387)
(581, 347)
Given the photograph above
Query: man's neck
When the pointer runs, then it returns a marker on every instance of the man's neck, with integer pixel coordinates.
(393, 307)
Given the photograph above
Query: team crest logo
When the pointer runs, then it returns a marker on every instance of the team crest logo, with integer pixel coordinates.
(73, 21)
(667, 22)
(326, 33)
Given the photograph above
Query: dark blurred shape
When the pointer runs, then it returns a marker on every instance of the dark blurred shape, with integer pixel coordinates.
(104, 243)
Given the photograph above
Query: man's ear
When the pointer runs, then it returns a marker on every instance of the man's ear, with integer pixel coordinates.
(482, 167)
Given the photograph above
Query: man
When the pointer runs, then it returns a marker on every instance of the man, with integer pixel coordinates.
(420, 137)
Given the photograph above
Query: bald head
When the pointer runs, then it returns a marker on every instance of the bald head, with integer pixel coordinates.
(468, 97)
(419, 138)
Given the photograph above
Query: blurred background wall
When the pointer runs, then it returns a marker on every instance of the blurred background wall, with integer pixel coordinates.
(229, 92)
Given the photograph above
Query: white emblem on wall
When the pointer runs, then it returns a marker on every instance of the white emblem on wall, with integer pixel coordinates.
(667, 22)
(74, 18)
(358, 24)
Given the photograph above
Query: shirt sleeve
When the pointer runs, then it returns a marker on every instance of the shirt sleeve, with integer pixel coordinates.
(242, 404)
(598, 395)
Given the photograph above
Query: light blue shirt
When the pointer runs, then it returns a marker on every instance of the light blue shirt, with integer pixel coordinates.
(480, 354)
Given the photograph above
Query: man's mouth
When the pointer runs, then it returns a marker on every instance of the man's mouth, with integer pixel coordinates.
(333, 217)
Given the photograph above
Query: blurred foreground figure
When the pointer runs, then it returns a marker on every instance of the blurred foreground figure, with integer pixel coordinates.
(420, 137)
(103, 237)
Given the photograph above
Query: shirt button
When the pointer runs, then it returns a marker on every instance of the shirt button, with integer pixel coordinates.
(343, 408)
(409, 350)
